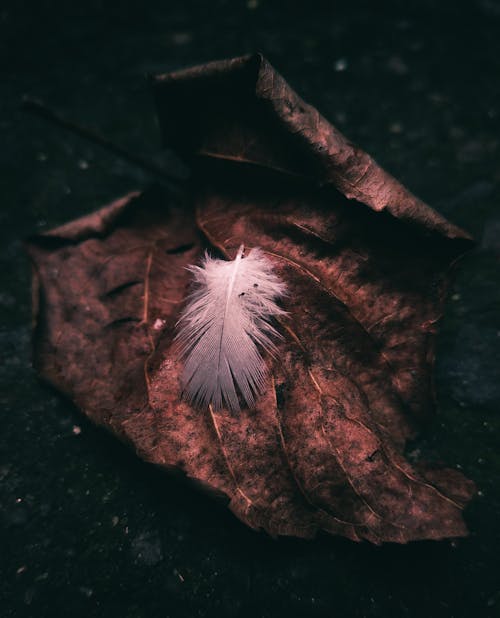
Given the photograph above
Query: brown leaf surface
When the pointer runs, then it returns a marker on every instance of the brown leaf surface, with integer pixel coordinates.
(366, 265)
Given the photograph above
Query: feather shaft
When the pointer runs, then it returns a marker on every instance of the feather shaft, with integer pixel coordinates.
(237, 260)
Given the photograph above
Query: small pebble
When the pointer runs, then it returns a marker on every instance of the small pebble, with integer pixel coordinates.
(397, 65)
(182, 38)
(340, 65)
(88, 592)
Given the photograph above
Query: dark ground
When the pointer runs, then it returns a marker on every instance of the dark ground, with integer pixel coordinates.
(87, 529)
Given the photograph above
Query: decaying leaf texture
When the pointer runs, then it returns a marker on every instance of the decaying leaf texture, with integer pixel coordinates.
(365, 264)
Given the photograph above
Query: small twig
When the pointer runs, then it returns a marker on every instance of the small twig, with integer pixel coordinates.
(37, 108)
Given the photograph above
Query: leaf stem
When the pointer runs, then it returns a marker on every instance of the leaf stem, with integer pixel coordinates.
(37, 108)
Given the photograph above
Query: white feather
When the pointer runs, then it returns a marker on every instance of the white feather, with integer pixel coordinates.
(223, 327)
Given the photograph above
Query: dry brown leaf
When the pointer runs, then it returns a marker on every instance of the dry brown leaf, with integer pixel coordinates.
(366, 266)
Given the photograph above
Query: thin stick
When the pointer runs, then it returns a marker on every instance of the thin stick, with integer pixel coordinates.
(37, 108)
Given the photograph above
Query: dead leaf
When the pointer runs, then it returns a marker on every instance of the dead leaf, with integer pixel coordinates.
(366, 264)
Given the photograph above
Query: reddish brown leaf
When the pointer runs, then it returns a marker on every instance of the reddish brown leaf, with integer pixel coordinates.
(366, 266)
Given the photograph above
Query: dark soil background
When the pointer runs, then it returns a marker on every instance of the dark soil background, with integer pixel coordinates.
(86, 528)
